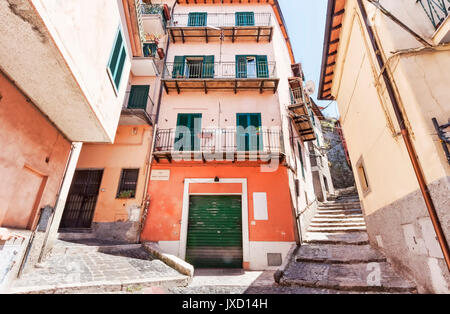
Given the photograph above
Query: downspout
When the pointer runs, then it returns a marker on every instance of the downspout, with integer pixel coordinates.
(407, 140)
(145, 200)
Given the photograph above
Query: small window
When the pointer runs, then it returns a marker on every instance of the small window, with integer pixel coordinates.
(128, 183)
(197, 19)
(117, 60)
(362, 174)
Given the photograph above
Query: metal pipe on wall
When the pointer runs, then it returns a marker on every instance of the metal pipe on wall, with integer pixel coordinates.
(407, 140)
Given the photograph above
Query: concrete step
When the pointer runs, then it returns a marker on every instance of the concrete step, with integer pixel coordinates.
(354, 238)
(353, 207)
(337, 229)
(342, 204)
(339, 216)
(346, 277)
(338, 254)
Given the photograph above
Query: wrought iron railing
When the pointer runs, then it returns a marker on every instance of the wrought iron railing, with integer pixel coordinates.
(436, 10)
(146, 104)
(220, 20)
(220, 140)
(296, 96)
(219, 70)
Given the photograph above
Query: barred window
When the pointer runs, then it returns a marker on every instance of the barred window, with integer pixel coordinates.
(128, 183)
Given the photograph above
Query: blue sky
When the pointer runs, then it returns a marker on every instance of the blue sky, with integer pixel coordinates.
(305, 21)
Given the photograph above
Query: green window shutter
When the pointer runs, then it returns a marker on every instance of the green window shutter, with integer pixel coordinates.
(138, 97)
(262, 66)
(197, 19)
(208, 67)
(245, 19)
(117, 60)
(192, 122)
(241, 66)
(249, 139)
(178, 67)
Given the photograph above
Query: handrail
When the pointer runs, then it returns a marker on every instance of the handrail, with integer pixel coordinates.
(225, 70)
(210, 140)
(222, 20)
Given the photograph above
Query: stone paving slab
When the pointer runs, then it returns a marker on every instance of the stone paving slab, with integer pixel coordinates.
(338, 254)
(94, 271)
(355, 238)
(376, 277)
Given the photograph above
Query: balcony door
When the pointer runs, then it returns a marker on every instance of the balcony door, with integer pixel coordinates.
(249, 133)
(193, 67)
(189, 128)
(252, 67)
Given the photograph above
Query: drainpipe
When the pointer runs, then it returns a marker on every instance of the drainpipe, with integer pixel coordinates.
(407, 140)
(145, 201)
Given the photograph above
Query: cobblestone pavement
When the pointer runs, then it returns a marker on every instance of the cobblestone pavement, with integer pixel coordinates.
(83, 266)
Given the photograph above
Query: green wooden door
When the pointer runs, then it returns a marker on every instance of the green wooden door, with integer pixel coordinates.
(138, 97)
(248, 135)
(245, 19)
(197, 19)
(215, 232)
(187, 133)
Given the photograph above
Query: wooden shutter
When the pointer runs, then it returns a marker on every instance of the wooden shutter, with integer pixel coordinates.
(193, 123)
(117, 60)
(262, 66)
(197, 19)
(138, 97)
(241, 66)
(208, 67)
(178, 67)
(249, 141)
(245, 18)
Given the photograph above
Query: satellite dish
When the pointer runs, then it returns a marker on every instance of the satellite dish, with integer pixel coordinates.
(310, 88)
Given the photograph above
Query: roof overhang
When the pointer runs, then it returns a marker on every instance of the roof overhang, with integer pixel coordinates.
(335, 16)
(274, 3)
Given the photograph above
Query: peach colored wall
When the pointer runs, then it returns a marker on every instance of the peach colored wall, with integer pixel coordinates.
(166, 201)
(130, 151)
(27, 139)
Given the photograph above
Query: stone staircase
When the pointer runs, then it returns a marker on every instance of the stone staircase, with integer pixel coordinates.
(336, 255)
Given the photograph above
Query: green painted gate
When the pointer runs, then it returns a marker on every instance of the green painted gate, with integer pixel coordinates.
(215, 232)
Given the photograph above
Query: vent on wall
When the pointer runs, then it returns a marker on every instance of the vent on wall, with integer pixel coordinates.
(274, 259)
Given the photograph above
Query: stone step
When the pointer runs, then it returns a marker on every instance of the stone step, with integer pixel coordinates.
(339, 216)
(340, 212)
(354, 238)
(337, 225)
(346, 277)
(337, 229)
(62, 247)
(333, 219)
(342, 204)
(102, 287)
(338, 254)
(75, 235)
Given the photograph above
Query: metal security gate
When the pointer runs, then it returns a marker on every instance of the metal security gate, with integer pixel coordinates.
(215, 232)
(82, 199)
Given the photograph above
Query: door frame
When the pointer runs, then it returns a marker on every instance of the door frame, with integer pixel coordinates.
(185, 214)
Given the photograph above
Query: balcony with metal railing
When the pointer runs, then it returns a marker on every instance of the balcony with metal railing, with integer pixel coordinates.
(436, 10)
(137, 109)
(196, 75)
(301, 115)
(242, 26)
(153, 18)
(219, 144)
